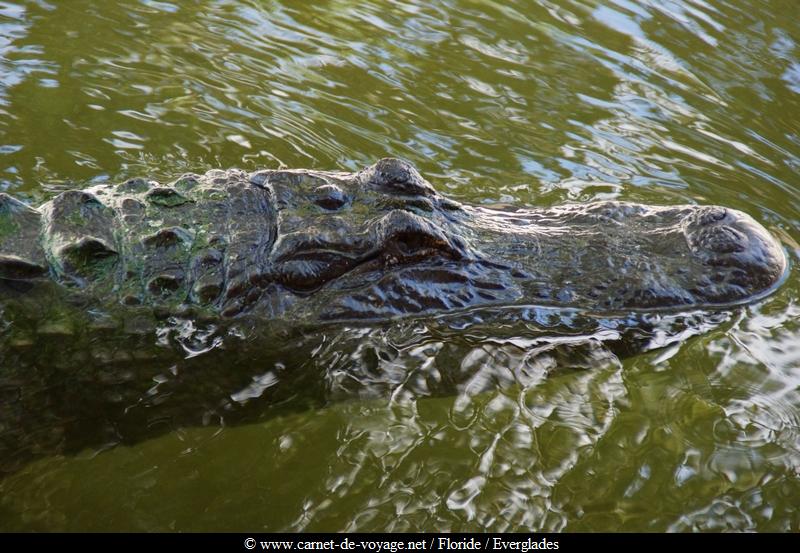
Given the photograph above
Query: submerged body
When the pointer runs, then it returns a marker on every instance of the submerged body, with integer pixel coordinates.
(327, 246)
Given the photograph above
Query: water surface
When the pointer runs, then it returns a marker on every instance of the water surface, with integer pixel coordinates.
(425, 424)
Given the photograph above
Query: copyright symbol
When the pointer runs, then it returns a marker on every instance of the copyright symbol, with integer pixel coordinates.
(250, 543)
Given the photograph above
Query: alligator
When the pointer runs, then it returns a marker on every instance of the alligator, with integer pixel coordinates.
(319, 246)
(130, 310)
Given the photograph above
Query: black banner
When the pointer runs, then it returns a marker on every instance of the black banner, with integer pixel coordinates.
(389, 543)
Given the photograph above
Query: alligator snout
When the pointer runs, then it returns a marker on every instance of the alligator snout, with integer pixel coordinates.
(741, 256)
(714, 230)
(722, 236)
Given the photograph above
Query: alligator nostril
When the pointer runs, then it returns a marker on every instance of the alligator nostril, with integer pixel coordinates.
(329, 196)
(723, 240)
(712, 215)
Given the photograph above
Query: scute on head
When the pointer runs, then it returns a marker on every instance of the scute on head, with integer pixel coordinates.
(395, 176)
(13, 267)
(21, 255)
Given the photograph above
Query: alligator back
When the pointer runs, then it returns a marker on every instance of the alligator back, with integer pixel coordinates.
(199, 239)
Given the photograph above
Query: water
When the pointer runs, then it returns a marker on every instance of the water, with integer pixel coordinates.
(429, 424)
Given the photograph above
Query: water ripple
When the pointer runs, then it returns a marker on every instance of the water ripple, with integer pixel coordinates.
(531, 420)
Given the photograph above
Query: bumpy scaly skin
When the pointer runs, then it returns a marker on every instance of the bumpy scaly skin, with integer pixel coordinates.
(317, 246)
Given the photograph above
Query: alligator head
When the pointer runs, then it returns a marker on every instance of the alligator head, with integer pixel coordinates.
(383, 242)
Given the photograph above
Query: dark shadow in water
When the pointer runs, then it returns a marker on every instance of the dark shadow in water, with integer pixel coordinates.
(78, 382)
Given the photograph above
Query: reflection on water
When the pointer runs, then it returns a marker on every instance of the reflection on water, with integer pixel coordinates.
(453, 424)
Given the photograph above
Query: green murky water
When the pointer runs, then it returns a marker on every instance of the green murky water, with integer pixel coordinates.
(412, 426)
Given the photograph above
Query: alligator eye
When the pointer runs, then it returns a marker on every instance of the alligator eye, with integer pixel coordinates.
(329, 196)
